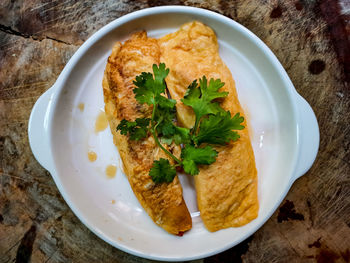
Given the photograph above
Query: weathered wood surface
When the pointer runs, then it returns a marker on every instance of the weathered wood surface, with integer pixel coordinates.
(310, 38)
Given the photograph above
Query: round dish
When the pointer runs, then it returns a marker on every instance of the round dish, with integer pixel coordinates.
(283, 129)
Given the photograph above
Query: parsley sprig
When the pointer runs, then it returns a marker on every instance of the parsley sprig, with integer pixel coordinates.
(213, 125)
(201, 97)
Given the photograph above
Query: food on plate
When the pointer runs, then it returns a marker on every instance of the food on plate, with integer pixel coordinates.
(200, 129)
(226, 189)
(163, 202)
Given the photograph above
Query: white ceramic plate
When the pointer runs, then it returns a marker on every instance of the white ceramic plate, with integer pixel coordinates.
(284, 131)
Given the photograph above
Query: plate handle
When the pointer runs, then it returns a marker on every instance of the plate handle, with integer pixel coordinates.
(38, 129)
(308, 137)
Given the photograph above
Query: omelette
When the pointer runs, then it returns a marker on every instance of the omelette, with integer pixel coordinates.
(163, 202)
(227, 189)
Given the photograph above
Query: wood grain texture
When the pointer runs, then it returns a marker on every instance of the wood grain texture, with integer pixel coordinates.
(310, 38)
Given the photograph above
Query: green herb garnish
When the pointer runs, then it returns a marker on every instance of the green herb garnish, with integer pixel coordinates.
(162, 171)
(201, 98)
(213, 126)
(137, 129)
(193, 156)
(219, 129)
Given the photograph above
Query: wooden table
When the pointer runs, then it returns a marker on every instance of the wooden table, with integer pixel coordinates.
(38, 37)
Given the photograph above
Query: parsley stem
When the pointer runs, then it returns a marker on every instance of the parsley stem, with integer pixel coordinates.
(195, 126)
(162, 147)
(154, 134)
(153, 113)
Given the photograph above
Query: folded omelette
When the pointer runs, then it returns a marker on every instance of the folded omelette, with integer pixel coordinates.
(227, 189)
(163, 202)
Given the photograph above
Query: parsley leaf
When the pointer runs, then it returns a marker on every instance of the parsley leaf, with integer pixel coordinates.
(181, 135)
(162, 171)
(137, 129)
(193, 156)
(172, 133)
(164, 117)
(218, 129)
(165, 103)
(200, 98)
(148, 89)
(166, 129)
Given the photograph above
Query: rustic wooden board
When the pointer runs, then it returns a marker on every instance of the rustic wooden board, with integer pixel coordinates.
(310, 38)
